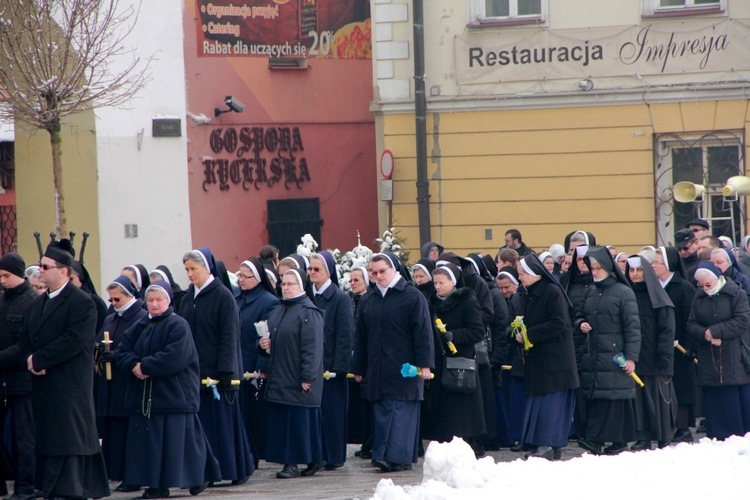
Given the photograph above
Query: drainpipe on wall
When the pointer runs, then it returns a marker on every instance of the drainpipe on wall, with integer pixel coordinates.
(420, 112)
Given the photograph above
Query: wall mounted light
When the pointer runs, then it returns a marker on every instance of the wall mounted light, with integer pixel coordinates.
(233, 103)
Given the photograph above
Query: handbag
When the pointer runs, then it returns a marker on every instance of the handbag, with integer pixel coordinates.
(745, 355)
(482, 350)
(459, 375)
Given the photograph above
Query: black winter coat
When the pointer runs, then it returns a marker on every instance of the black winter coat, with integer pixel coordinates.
(727, 315)
(214, 322)
(110, 400)
(391, 331)
(612, 312)
(164, 347)
(61, 340)
(681, 292)
(482, 292)
(550, 366)
(515, 355)
(339, 328)
(657, 335)
(14, 303)
(499, 326)
(449, 413)
(254, 305)
(296, 328)
(577, 285)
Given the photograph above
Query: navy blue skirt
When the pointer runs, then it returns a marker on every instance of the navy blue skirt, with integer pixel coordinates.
(395, 431)
(114, 431)
(548, 417)
(225, 430)
(255, 414)
(516, 408)
(333, 406)
(727, 410)
(168, 450)
(295, 434)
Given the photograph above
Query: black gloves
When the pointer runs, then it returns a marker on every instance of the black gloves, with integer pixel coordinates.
(225, 381)
(690, 355)
(107, 356)
(446, 336)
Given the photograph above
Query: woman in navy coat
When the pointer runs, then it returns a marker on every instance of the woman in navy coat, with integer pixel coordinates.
(256, 301)
(166, 444)
(339, 340)
(295, 379)
(112, 415)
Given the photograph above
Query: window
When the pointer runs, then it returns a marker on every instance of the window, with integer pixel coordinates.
(509, 10)
(708, 160)
(682, 7)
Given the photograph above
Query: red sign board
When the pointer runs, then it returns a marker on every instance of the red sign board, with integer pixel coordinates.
(332, 29)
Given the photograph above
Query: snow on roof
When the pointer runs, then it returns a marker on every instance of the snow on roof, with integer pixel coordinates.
(707, 469)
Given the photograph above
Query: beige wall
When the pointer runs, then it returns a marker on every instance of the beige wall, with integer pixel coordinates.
(544, 172)
(35, 191)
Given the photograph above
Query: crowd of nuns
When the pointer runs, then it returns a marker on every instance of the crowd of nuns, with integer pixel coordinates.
(580, 342)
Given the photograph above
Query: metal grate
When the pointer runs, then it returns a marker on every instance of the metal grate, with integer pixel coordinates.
(8, 228)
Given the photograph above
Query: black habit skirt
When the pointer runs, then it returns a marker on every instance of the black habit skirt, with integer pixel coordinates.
(610, 420)
(655, 409)
(727, 410)
(255, 413)
(358, 415)
(333, 406)
(395, 431)
(516, 407)
(225, 429)
(114, 432)
(547, 418)
(295, 434)
(168, 450)
(76, 476)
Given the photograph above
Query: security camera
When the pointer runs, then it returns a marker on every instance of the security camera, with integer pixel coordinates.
(233, 103)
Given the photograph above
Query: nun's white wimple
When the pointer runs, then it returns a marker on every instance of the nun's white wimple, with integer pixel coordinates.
(252, 268)
(138, 278)
(635, 262)
(581, 250)
(424, 270)
(160, 273)
(509, 276)
(527, 268)
(159, 288)
(450, 274)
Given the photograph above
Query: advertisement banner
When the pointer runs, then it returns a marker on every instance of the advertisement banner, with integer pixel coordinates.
(666, 48)
(333, 29)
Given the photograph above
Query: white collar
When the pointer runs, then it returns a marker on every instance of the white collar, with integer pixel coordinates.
(666, 282)
(393, 282)
(124, 308)
(322, 288)
(57, 292)
(209, 280)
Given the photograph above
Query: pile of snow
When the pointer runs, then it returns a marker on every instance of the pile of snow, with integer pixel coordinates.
(707, 469)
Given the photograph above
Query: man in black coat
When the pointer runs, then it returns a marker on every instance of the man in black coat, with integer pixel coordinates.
(58, 342)
(15, 298)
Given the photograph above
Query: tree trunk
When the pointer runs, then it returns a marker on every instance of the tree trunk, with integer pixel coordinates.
(55, 138)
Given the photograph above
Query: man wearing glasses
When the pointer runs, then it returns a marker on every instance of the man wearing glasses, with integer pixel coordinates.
(57, 342)
(699, 227)
(687, 246)
(393, 328)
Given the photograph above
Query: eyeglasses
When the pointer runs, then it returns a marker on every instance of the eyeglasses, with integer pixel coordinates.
(47, 267)
(697, 229)
(116, 300)
(380, 271)
(316, 269)
(285, 284)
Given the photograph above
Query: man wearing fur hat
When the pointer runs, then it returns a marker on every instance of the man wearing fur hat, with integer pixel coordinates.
(15, 298)
(57, 343)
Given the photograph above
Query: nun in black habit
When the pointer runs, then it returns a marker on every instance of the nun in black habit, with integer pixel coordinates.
(668, 268)
(163, 273)
(655, 402)
(550, 376)
(422, 272)
(139, 276)
(610, 325)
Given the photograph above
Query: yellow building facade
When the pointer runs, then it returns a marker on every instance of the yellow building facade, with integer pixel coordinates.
(530, 126)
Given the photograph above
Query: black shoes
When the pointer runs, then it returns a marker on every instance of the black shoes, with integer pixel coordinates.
(333, 466)
(662, 444)
(640, 446)
(156, 493)
(520, 447)
(288, 472)
(313, 467)
(386, 466)
(546, 452)
(594, 447)
(615, 448)
(237, 482)
(197, 490)
(127, 488)
(683, 436)
(366, 454)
